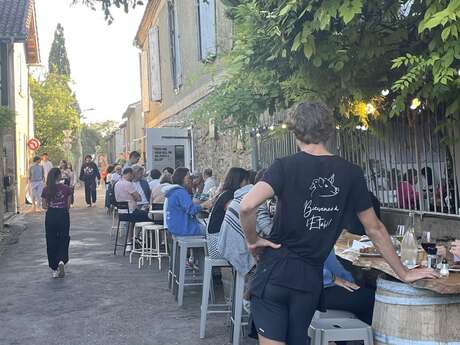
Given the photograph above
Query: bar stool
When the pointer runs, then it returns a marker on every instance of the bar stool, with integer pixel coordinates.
(153, 251)
(183, 244)
(322, 331)
(140, 241)
(113, 230)
(237, 307)
(123, 216)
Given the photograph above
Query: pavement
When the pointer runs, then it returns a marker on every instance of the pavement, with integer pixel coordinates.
(102, 300)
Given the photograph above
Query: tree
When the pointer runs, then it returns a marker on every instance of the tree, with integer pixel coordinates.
(107, 6)
(54, 111)
(7, 117)
(58, 61)
(364, 58)
(94, 136)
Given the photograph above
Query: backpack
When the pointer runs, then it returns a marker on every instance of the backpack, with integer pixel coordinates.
(111, 191)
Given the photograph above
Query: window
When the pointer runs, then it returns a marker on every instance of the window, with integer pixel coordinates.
(207, 29)
(154, 63)
(174, 38)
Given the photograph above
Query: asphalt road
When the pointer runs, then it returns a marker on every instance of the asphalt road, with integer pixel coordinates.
(102, 300)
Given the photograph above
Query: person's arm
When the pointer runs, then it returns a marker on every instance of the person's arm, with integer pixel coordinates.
(137, 197)
(379, 236)
(185, 201)
(261, 192)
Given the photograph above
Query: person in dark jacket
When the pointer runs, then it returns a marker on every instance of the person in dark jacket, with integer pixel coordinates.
(89, 174)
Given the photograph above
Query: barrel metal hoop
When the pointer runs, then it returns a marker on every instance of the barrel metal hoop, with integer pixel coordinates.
(391, 340)
(401, 288)
(417, 300)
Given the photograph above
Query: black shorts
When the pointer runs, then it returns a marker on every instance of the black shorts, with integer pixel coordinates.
(284, 314)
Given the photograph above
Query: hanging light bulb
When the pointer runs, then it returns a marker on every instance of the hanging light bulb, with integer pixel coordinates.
(370, 109)
(284, 126)
(458, 72)
(258, 135)
(385, 92)
(272, 127)
(415, 103)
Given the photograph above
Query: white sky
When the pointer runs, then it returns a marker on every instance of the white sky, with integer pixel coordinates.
(103, 60)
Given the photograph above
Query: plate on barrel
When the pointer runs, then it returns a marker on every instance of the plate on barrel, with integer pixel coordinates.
(369, 252)
(454, 268)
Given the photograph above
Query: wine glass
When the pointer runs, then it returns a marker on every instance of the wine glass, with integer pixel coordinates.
(428, 243)
(400, 232)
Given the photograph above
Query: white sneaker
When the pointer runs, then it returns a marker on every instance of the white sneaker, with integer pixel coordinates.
(61, 272)
(55, 274)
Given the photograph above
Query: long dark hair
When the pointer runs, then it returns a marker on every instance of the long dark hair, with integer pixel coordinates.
(179, 176)
(234, 178)
(53, 179)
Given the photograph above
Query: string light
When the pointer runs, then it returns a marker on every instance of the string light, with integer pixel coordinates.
(272, 127)
(283, 126)
(370, 109)
(458, 72)
(258, 135)
(415, 103)
(385, 92)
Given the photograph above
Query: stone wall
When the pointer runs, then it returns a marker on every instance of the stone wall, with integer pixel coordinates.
(219, 152)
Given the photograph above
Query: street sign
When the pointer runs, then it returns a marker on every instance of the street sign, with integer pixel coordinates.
(33, 144)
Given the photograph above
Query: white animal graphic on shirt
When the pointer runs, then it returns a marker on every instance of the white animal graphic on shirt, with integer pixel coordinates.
(324, 187)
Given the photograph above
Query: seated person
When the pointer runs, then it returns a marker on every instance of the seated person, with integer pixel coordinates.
(232, 240)
(408, 197)
(142, 187)
(180, 210)
(453, 254)
(125, 191)
(341, 293)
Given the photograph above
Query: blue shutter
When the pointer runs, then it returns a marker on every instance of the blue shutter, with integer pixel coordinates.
(207, 22)
(154, 64)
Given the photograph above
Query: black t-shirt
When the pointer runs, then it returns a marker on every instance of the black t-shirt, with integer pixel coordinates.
(316, 196)
(218, 211)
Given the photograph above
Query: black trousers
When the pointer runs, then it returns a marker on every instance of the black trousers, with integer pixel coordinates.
(57, 224)
(90, 193)
(359, 302)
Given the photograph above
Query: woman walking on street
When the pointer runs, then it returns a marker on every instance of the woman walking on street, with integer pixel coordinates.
(37, 181)
(56, 200)
(89, 174)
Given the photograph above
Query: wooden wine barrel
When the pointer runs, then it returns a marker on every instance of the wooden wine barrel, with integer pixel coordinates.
(407, 315)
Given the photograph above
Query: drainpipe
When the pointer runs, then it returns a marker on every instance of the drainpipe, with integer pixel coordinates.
(254, 153)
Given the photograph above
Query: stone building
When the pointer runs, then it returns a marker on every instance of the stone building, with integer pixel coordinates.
(180, 42)
(19, 50)
(135, 133)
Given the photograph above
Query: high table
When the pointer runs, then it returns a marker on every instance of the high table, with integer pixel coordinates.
(426, 312)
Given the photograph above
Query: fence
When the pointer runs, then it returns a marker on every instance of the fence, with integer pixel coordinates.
(410, 163)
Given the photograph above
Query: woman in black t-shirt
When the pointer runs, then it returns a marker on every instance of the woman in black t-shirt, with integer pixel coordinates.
(316, 192)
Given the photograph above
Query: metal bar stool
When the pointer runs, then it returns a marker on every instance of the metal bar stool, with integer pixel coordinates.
(141, 242)
(322, 331)
(154, 250)
(123, 216)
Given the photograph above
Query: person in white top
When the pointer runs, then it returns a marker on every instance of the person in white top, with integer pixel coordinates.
(155, 175)
(134, 158)
(142, 186)
(209, 182)
(46, 164)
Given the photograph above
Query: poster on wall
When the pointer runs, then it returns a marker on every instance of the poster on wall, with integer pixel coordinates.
(168, 156)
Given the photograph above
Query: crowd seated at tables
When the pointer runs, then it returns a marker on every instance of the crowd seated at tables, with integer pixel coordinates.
(175, 189)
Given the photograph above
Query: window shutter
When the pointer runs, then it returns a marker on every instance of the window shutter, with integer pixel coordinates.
(176, 65)
(154, 52)
(207, 18)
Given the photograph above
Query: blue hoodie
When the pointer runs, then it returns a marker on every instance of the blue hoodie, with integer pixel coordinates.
(181, 212)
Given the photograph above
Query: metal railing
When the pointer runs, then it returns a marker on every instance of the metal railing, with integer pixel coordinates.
(410, 163)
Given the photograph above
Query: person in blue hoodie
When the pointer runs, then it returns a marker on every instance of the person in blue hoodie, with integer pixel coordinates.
(181, 211)
(341, 292)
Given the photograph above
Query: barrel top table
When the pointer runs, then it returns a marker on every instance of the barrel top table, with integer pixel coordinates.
(450, 285)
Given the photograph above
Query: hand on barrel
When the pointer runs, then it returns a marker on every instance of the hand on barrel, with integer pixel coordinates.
(419, 273)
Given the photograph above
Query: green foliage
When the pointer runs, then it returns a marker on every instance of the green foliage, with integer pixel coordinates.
(54, 111)
(338, 51)
(107, 6)
(58, 61)
(94, 136)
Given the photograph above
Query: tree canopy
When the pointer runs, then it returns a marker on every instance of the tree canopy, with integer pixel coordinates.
(54, 112)
(94, 136)
(107, 6)
(58, 61)
(364, 58)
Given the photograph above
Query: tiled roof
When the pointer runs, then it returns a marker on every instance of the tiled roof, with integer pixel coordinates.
(15, 16)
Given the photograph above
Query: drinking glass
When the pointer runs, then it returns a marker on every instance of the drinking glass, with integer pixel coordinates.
(428, 243)
(400, 232)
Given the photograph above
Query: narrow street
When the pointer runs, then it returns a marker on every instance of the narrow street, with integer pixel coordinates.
(102, 300)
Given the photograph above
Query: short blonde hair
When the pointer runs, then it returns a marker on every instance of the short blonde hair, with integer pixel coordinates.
(311, 122)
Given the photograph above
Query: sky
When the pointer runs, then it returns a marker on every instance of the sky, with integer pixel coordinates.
(103, 60)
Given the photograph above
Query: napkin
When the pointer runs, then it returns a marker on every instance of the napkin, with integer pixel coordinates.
(356, 246)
